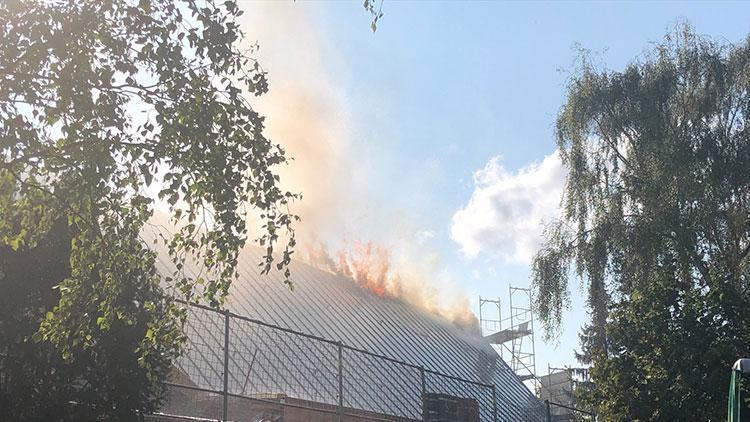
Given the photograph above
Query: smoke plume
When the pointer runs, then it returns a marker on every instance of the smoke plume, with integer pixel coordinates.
(306, 112)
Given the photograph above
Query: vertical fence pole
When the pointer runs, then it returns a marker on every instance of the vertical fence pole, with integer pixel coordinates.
(340, 409)
(547, 411)
(494, 403)
(226, 366)
(424, 392)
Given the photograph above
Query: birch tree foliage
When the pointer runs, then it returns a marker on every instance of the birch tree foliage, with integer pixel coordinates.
(656, 225)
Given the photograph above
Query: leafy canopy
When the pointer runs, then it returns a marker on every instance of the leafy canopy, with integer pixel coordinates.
(657, 222)
(103, 105)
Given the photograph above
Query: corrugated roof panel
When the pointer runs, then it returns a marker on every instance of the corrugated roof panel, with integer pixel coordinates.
(335, 307)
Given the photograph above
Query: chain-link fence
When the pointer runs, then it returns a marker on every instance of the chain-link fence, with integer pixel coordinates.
(240, 369)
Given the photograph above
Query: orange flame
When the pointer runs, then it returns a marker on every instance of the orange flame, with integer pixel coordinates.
(370, 267)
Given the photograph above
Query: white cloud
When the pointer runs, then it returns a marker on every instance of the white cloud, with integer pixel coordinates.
(506, 211)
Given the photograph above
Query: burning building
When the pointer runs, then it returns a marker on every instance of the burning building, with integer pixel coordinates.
(331, 350)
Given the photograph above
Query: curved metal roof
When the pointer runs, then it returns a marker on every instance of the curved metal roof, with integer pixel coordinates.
(334, 307)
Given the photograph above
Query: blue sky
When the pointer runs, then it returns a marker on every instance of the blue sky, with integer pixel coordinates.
(450, 106)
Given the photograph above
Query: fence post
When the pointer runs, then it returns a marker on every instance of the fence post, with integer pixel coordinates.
(424, 392)
(547, 411)
(340, 409)
(226, 366)
(494, 403)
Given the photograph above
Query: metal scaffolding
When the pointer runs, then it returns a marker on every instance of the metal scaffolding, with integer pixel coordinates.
(490, 324)
(512, 337)
(523, 360)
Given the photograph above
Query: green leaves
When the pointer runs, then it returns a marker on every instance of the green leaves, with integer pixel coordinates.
(101, 104)
(657, 226)
(376, 14)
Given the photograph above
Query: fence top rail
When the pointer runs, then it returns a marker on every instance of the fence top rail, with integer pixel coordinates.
(193, 387)
(329, 341)
(375, 355)
(585, 412)
(255, 321)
